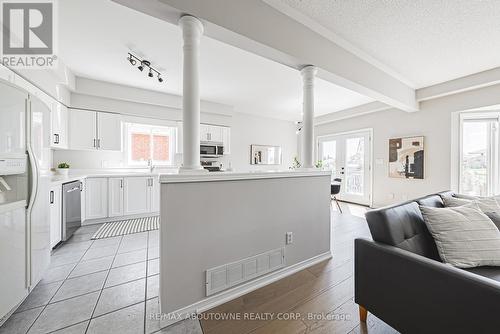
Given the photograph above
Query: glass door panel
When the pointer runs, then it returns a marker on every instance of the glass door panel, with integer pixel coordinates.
(348, 157)
(354, 166)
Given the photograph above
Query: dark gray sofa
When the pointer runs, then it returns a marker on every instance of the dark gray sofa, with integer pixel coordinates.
(400, 278)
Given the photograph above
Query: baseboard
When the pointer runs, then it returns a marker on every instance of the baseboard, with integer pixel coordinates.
(115, 219)
(233, 293)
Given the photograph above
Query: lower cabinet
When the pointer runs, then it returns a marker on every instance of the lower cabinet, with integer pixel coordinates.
(121, 196)
(55, 200)
(137, 195)
(115, 197)
(96, 198)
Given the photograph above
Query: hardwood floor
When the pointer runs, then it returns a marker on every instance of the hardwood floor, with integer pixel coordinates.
(319, 299)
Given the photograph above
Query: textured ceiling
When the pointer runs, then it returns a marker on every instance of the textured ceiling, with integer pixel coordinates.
(425, 41)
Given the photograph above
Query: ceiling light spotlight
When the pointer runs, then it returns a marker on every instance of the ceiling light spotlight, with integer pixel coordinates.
(144, 64)
(131, 60)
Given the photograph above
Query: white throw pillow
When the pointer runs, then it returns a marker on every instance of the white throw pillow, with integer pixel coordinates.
(485, 204)
(465, 237)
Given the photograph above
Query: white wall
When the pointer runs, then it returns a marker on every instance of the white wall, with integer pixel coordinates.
(248, 129)
(434, 122)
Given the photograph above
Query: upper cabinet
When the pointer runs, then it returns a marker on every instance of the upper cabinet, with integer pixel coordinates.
(90, 130)
(82, 130)
(59, 126)
(109, 131)
(210, 133)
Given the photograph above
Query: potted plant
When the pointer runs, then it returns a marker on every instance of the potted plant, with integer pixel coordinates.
(63, 169)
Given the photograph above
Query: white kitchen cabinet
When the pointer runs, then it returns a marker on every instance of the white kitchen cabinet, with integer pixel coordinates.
(83, 130)
(109, 132)
(90, 130)
(115, 197)
(55, 199)
(59, 125)
(211, 133)
(155, 195)
(226, 139)
(96, 198)
(137, 195)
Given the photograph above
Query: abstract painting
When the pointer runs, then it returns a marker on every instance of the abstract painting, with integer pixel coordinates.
(406, 157)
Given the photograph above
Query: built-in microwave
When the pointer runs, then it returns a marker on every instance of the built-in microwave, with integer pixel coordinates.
(211, 149)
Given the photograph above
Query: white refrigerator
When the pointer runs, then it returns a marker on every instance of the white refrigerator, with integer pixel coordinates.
(24, 191)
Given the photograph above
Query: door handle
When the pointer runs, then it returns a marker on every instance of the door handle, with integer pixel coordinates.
(51, 197)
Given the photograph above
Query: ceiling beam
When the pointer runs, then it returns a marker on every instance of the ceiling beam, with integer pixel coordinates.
(463, 84)
(363, 109)
(259, 28)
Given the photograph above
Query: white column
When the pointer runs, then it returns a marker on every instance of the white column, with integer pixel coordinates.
(307, 149)
(192, 29)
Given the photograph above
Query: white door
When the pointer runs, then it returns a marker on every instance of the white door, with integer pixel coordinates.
(109, 131)
(348, 156)
(55, 199)
(96, 198)
(115, 197)
(137, 195)
(82, 130)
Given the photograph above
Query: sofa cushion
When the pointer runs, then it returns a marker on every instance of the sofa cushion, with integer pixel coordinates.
(465, 237)
(402, 226)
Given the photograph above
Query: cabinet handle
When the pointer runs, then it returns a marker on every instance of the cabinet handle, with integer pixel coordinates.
(98, 143)
(51, 197)
(95, 143)
(57, 138)
(121, 183)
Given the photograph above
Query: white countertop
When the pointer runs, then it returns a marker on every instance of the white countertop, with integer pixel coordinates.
(232, 176)
(80, 175)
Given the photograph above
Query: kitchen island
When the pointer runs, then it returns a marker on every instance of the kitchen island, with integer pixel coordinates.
(225, 234)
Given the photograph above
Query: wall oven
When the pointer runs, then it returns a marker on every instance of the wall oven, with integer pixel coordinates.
(211, 150)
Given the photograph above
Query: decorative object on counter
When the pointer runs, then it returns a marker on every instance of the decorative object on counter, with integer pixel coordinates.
(63, 169)
(265, 155)
(406, 157)
(296, 163)
(144, 64)
(129, 226)
(319, 164)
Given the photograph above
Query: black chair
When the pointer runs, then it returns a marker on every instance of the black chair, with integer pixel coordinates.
(335, 190)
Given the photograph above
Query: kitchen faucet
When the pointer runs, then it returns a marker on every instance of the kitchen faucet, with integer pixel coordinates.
(150, 165)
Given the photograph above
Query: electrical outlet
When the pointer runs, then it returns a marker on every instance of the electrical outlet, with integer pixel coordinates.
(289, 238)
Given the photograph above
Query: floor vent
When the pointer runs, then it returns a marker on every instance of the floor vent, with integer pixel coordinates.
(231, 274)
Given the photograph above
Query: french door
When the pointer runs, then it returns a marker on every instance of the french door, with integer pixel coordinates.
(480, 154)
(348, 156)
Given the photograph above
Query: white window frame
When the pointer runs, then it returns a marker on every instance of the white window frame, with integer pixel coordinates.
(493, 180)
(151, 130)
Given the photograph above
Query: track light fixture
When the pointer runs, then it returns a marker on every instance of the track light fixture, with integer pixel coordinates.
(133, 60)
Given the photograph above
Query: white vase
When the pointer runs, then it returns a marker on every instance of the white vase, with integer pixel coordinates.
(63, 171)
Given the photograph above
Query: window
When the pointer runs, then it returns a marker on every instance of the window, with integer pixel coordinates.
(479, 154)
(148, 142)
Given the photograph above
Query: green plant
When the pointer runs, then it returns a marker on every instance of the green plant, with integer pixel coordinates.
(296, 163)
(319, 164)
(63, 165)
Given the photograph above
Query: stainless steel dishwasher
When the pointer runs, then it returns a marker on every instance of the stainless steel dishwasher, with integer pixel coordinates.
(71, 209)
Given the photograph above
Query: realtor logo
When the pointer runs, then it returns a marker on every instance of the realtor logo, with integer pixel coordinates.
(28, 30)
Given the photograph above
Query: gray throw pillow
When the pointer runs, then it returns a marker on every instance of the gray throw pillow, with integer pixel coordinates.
(454, 201)
(465, 237)
(495, 218)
